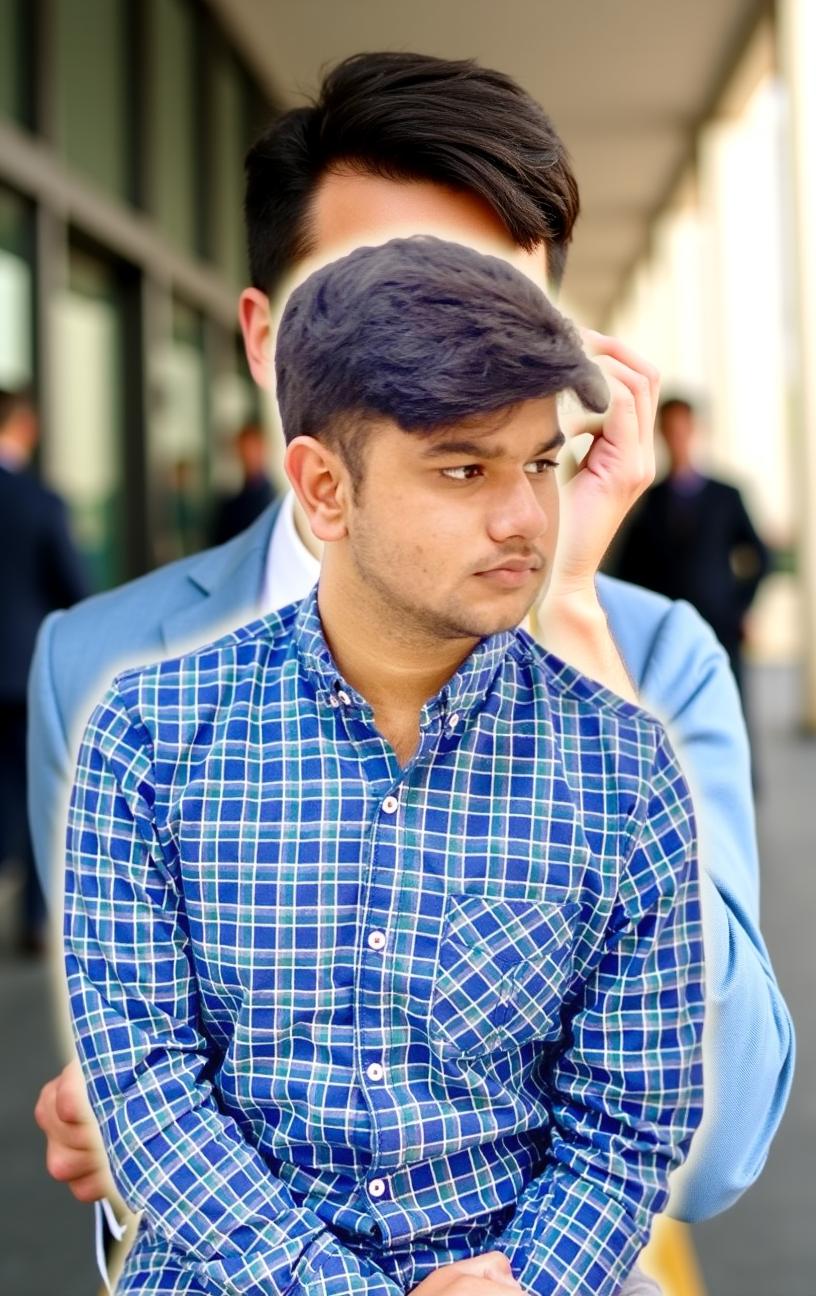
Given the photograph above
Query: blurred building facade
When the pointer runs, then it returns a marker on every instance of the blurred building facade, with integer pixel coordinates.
(123, 127)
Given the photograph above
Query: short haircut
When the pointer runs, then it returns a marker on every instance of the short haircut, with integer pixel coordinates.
(411, 117)
(12, 401)
(675, 403)
(426, 333)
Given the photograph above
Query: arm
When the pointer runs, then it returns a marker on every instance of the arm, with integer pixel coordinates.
(748, 1040)
(627, 1090)
(746, 539)
(173, 1153)
(618, 467)
(49, 764)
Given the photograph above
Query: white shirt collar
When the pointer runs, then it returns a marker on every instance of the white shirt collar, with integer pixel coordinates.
(291, 571)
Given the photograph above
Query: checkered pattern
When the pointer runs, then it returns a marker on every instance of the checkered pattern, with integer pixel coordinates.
(344, 1022)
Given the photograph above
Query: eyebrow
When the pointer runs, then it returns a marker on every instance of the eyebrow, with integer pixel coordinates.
(478, 451)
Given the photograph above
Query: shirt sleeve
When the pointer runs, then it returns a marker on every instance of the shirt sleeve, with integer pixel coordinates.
(748, 1042)
(174, 1155)
(626, 1091)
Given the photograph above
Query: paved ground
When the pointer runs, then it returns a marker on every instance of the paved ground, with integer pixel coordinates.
(764, 1246)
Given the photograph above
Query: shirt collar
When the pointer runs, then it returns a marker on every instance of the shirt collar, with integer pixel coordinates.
(464, 691)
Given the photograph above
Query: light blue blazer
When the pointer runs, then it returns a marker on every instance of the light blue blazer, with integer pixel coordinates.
(682, 676)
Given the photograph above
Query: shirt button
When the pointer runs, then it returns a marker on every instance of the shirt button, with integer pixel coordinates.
(376, 940)
(333, 701)
(453, 721)
(376, 1187)
(374, 1071)
(344, 697)
(390, 804)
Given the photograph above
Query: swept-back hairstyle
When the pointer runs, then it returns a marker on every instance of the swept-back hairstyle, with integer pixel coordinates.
(411, 117)
(426, 333)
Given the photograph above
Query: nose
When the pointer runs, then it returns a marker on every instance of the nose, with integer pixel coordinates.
(517, 512)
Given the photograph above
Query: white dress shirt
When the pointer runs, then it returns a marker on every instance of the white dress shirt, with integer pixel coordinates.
(291, 570)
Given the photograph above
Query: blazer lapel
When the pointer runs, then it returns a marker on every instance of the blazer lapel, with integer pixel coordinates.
(223, 589)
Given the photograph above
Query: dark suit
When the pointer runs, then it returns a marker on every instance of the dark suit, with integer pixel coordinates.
(697, 543)
(238, 512)
(39, 571)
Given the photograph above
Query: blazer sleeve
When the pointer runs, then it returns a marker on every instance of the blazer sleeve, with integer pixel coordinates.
(50, 764)
(748, 1038)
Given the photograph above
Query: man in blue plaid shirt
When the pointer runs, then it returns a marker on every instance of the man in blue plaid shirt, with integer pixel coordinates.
(382, 924)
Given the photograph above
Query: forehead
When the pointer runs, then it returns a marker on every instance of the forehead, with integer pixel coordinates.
(509, 432)
(352, 208)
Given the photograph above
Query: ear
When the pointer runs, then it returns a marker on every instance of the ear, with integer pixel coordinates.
(256, 326)
(321, 482)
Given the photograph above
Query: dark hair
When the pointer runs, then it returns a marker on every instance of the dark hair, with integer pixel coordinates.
(674, 403)
(411, 117)
(426, 333)
(11, 402)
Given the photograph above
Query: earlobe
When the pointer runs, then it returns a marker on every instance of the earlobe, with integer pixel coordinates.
(254, 317)
(318, 481)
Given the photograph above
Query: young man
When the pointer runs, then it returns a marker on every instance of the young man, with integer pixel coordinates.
(382, 924)
(408, 143)
(692, 538)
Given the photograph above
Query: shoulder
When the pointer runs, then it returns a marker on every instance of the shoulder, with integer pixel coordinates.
(665, 644)
(169, 694)
(599, 724)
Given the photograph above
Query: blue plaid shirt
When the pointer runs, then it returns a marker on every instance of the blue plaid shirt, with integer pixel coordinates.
(344, 1022)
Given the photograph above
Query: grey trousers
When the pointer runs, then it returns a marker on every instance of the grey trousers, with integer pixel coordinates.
(638, 1284)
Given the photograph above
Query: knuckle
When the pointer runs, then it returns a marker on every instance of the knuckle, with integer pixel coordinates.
(57, 1164)
(87, 1191)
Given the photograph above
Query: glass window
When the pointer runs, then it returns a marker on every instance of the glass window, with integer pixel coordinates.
(229, 147)
(84, 453)
(16, 63)
(91, 41)
(178, 441)
(172, 103)
(16, 292)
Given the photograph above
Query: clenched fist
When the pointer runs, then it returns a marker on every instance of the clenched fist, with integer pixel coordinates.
(74, 1152)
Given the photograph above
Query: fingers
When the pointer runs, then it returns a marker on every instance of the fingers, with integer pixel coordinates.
(493, 1265)
(74, 1153)
(597, 344)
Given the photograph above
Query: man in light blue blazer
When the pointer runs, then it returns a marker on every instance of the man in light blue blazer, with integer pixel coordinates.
(453, 169)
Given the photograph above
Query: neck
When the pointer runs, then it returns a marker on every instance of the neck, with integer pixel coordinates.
(396, 666)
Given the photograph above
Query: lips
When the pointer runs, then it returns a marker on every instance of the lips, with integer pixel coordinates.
(513, 564)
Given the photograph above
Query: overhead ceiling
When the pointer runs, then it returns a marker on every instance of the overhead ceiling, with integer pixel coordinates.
(626, 82)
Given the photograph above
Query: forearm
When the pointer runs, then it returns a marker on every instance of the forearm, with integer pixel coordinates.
(748, 1046)
(182, 1162)
(574, 627)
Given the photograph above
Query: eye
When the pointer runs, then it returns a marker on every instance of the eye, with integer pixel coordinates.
(539, 467)
(466, 472)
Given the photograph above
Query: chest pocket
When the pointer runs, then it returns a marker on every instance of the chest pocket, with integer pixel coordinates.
(502, 972)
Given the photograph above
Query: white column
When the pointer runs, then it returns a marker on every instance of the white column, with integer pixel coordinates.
(797, 49)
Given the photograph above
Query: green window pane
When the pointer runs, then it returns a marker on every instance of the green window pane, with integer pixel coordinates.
(16, 75)
(178, 439)
(228, 148)
(84, 456)
(173, 120)
(16, 292)
(92, 101)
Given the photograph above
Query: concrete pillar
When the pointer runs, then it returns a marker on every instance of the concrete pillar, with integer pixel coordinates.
(797, 57)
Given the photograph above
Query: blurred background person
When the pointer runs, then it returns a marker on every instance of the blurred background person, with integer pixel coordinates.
(691, 538)
(39, 571)
(234, 513)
